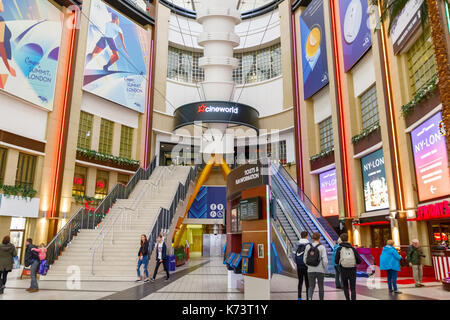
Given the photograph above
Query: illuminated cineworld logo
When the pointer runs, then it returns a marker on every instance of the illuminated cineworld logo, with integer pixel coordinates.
(204, 108)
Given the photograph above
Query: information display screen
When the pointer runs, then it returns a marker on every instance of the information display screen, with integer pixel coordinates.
(236, 260)
(376, 195)
(250, 209)
(230, 258)
(328, 193)
(247, 250)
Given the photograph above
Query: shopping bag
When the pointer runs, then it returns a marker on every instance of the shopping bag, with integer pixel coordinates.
(43, 268)
(16, 264)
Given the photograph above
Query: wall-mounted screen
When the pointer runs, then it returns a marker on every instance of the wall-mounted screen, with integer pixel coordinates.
(117, 57)
(250, 209)
(376, 195)
(329, 204)
(30, 39)
(430, 159)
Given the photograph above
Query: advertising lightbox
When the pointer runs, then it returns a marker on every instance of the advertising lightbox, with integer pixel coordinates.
(328, 193)
(376, 195)
(405, 24)
(314, 50)
(117, 57)
(30, 38)
(430, 159)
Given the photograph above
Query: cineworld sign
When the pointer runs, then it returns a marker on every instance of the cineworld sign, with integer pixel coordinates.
(216, 112)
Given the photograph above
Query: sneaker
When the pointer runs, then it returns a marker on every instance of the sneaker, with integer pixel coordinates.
(32, 290)
(152, 279)
(397, 292)
(418, 285)
(421, 285)
(138, 280)
(146, 280)
(166, 279)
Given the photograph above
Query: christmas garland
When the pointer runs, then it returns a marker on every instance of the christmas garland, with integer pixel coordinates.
(323, 154)
(91, 154)
(17, 191)
(84, 199)
(366, 132)
(423, 94)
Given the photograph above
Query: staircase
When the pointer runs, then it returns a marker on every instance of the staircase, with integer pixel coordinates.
(109, 252)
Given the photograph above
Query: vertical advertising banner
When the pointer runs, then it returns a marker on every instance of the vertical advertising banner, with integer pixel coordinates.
(328, 193)
(210, 203)
(117, 57)
(314, 51)
(430, 159)
(30, 37)
(376, 195)
(355, 30)
(406, 24)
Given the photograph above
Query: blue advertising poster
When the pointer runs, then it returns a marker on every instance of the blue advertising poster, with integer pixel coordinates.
(210, 203)
(376, 195)
(355, 30)
(30, 37)
(314, 51)
(117, 57)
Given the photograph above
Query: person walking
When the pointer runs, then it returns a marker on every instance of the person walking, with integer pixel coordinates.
(390, 261)
(302, 269)
(315, 258)
(347, 258)
(414, 256)
(142, 259)
(161, 257)
(32, 260)
(337, 275)
(7, 253)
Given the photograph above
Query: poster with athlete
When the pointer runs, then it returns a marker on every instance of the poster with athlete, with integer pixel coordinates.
(30, 37)
(117, 57)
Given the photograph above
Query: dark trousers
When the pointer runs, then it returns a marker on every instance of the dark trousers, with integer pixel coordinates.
(313, 276)
(3, 277)
(337, 277)
(302, 276)
(392, 279)
(33, 274)
(349, 276)
(164, 262)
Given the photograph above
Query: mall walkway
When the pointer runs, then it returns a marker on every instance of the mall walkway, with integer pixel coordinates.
(202, 279)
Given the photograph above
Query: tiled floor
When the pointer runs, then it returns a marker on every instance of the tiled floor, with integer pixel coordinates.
(203, 279)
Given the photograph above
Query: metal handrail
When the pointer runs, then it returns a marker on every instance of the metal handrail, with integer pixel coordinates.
(130, 211)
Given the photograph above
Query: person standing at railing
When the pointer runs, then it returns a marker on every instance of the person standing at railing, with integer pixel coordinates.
(143, 259)
(7, 253)
(161, 257)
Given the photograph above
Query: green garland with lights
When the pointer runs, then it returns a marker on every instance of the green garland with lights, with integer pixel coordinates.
(423, 94)
(323, 154)
(92, 154)
(84, 199)
(366, 132)
(18, 191)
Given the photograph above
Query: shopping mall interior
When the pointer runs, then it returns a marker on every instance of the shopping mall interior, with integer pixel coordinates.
(230, 128)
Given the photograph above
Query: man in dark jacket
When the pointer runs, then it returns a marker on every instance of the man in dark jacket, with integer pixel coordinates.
(161, 257)
(347, 258)
(414, 256)
(32, 260)
(7, 254)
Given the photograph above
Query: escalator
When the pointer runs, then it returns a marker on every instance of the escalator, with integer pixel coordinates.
(296, 213)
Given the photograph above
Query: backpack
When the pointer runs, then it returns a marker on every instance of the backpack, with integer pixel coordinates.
(347, 258)
(299, 255)
(313, 258)
(43, 268)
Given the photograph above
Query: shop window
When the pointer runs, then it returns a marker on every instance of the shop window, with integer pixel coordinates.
(182, 65)
(16, 232)
(101, 184)
(126, 142)
(440, 234)
(85, 130)
(3, 153)
(79, 181)
(282, 151)
(421, 62)
(26, 167)
(380, 236)
(369, 108)
(258, 65)
(123, 178)
(106, 136)
(326, 134)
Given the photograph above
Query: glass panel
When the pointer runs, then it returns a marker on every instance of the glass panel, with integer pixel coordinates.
(3, 153)
(26, 167)
(369, 108)
(101, 184)
(18, 223)
(79, 181)
(106, 136)
(126, 142)
(16, 238)
(326, 134)
(85, 130)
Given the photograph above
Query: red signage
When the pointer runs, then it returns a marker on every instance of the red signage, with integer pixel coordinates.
(201, 108)
(100, 184)
(78, 181)
(440, 210)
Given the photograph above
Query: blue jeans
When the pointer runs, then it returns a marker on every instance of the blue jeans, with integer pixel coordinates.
(143, 261)
(33, 271)
(392, 279)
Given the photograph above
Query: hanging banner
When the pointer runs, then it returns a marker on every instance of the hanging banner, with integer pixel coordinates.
(406, 24)
(314, 51)
(355, 30)
(329, 205)
(30, 37)
(376, 195)
(430, 159)
(117, 56)
(210, 203)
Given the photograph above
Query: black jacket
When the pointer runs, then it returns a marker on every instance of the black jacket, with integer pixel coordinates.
(163, 253)
(347, 245)
(30, 255)
(143, 250)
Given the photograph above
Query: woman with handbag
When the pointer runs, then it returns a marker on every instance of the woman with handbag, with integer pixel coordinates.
(7, 253)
